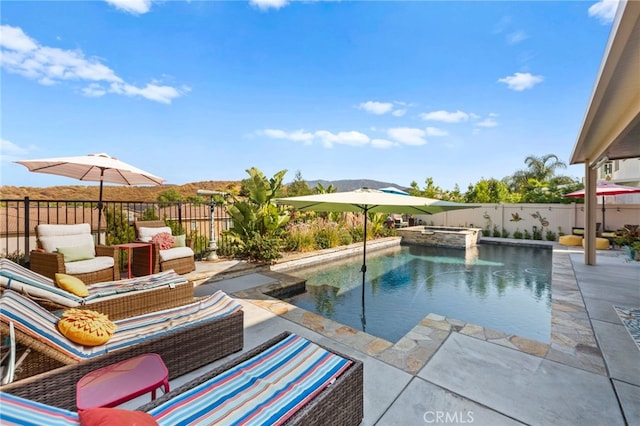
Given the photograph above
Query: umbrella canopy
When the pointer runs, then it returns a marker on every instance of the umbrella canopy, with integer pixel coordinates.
(394, 190)
(606, 189)
(95, 168)
(370, 201)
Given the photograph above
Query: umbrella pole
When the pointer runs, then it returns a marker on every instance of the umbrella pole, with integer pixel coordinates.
(364, 266)
(100, 205)
(603, 208)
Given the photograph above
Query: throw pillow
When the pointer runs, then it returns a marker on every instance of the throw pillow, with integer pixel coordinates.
(73, 254)
(89, 328)
(180, 241)
(72, 284)
(115, 417)
(164, 240)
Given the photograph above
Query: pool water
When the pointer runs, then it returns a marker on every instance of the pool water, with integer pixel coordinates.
(506, 288)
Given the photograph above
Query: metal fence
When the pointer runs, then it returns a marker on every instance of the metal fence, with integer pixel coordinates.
(201, 222)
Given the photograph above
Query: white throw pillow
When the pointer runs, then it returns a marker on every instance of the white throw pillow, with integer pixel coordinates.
(146, 234)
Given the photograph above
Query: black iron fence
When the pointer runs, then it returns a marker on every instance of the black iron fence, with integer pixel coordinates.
(202, 223)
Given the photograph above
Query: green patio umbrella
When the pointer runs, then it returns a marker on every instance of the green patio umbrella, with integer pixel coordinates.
(366, 201)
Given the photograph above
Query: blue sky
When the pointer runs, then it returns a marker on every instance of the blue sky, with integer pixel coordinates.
(203, 90)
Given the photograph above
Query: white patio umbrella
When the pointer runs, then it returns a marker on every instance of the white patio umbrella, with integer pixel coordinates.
(95, 168)
(605, 189)
(370, 201)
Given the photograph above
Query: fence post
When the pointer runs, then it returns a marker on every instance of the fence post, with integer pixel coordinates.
(27, 231)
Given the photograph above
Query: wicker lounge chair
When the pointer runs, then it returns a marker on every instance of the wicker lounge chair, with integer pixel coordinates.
(331, 396)
(187, 337)
(117, 299)
(180, 259)
(100, 263)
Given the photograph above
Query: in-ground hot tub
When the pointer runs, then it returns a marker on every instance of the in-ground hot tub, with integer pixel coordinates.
(441, 236)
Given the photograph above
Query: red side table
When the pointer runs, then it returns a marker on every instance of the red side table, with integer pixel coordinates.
(121, 382)
(129, 247)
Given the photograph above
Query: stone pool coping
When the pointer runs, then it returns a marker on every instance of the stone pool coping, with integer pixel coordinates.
(572, 340)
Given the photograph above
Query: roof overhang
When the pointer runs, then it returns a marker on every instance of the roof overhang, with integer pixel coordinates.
(611, 126)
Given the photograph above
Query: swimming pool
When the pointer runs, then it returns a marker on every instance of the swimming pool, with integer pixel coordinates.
(506, 288)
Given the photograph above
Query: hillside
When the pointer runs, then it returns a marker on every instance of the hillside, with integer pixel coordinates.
(150, 193)
(352, 184)
(113, 192)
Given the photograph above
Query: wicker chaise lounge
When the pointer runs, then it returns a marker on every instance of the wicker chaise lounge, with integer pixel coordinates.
(186, 337)
(308, 384)
(117, 299)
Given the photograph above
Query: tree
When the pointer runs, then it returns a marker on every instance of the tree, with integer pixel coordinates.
(488, 191)
(542, 170)
(320, 189)
(298, 186)
(169, 197)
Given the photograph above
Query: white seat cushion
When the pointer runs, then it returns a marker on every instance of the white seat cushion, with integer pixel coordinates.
(90, 265)
(175, 253)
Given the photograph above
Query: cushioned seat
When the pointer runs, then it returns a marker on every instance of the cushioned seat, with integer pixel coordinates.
(570, 240)
(195, 329)
(601, 243)
(179, 258)
(70, 249)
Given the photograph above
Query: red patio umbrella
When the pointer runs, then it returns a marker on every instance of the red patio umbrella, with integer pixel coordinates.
(605, 189)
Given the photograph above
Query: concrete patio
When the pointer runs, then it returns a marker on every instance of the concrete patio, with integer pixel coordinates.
(588, 375)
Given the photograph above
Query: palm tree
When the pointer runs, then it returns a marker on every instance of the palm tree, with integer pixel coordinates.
(539, 169)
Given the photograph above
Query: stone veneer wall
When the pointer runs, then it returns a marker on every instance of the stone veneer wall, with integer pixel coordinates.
(441, 236)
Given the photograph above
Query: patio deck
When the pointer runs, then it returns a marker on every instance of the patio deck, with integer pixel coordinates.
(463, 374)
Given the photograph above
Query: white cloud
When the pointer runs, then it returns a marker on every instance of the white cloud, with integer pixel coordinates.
(487, 122)
(296, 136)
(269, 4)
(604, 10)
(408, 135)
(377, 108)
(516, 37)
(22, 55)
(521, 81)
(136, 7)
(434, 131)
(327, 138)
(352, 138)
(399, 112)
(9, 151)
(445, 116)
(382, 143)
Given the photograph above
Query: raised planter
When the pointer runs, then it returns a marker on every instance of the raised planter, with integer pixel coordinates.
(441, 236)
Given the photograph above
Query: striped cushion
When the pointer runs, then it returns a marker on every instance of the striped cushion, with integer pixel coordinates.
(32, 319)
(264, 390)
(24, 280)
(19, 411)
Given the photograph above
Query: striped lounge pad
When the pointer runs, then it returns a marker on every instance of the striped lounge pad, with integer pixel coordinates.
(35, 321)
(630, 318)
(19, 278)
(264, 390)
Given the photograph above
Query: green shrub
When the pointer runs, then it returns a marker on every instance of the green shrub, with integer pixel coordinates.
(505, 233)
(551, 236)
(527, 235)
(262, 248)
(537, 233)
(357, 233)
(18, 257)
(496, 231)
(299, 237)
(517, 234)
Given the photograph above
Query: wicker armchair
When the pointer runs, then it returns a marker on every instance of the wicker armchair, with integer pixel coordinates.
(163, 260)
(47, 260)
